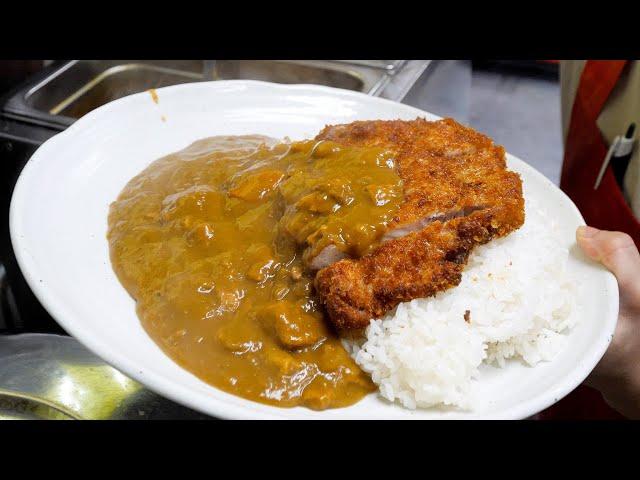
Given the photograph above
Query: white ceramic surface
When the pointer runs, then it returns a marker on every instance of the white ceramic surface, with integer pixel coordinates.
(58, 225)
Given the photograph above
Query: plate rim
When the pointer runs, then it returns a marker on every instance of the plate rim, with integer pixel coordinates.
(185, 395)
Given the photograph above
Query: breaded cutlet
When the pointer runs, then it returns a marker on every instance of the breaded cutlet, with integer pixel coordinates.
(458, 194)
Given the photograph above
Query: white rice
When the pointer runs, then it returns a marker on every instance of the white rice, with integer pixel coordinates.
(520, 301)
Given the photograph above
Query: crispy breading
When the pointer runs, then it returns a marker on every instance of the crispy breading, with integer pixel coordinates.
(458, 194)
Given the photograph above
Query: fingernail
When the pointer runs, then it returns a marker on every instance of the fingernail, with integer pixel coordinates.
(586, 232)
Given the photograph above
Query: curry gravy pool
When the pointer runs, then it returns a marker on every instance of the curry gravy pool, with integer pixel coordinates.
(214, 243)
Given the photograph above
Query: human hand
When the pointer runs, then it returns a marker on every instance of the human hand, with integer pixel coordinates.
(617, 376)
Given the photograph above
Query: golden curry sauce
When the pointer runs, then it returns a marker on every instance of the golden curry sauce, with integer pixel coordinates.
(214, 243)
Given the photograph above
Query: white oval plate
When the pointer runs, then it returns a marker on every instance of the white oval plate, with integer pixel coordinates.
(59, 221)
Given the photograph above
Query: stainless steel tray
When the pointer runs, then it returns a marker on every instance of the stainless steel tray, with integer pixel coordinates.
(388, 65)
(79, 86)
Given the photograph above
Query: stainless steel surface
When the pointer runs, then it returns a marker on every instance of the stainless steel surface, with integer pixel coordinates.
(113, 83)
(405, 80)
(19, 407)
(209, 69)
(314, 72)
(389, 65)
(77, 87)
(82, 85)
(53, 376)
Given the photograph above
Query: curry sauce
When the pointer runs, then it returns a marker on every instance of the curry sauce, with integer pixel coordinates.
(215, 244)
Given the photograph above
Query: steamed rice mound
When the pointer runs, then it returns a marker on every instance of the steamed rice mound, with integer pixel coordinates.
(515, 301)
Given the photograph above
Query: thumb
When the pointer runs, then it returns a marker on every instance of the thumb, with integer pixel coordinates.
(617, 252)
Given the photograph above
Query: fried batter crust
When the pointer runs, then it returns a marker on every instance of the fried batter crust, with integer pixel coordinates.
(446, 168)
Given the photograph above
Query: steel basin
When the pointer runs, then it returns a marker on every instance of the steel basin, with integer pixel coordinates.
(79, 86)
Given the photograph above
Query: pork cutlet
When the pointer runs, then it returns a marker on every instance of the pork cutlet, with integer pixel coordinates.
(458, 194)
